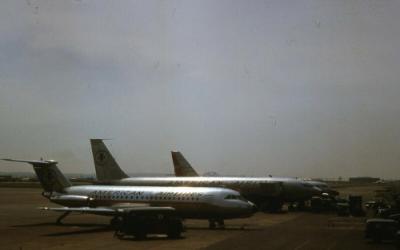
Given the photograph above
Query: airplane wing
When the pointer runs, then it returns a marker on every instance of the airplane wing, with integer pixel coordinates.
(89, 210)
(112, 211)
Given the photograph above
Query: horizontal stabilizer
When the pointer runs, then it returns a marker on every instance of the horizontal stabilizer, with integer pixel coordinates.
(33, 162)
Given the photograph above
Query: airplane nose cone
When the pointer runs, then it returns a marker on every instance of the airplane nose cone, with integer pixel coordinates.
(253, 207)
(316, 191)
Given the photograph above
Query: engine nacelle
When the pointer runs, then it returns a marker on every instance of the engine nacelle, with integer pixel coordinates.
(71, 200)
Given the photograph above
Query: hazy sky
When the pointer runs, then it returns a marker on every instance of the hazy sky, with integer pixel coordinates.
(290, 88)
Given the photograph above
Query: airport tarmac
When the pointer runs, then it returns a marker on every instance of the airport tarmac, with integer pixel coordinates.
(22, 226)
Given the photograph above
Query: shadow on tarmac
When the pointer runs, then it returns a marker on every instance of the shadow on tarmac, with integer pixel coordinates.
(62, 225)
(89, 231)
(238, 228)
(151, 237)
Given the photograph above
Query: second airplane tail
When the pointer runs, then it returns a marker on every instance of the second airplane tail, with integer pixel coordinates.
(107, 169)
(181, 166)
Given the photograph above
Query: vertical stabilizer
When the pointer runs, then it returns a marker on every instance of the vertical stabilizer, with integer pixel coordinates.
(107, 169)
(182, 166)
(49, 175)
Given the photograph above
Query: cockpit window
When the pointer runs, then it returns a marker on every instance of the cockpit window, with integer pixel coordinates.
(234, 197)
(307, 185)
(241, 198)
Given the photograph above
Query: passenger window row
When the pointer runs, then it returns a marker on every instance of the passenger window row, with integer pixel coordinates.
(119, 197)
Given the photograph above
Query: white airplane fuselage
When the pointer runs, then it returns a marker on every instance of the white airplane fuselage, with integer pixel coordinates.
(189, 202)
(285, 188)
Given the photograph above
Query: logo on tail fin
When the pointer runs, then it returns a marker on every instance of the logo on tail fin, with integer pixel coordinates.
(101, 157)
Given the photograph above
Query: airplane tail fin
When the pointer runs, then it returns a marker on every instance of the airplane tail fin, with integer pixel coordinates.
(182, 166)
(107, 168)
(49, 175)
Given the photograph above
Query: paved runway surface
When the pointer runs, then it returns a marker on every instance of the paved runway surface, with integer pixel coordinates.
(307, 231)
(22, 226)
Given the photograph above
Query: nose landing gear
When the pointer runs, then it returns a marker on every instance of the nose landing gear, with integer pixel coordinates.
(59, 219)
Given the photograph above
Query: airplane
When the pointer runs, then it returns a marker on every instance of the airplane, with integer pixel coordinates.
(116, 201)
(267, 193)
(183, 168)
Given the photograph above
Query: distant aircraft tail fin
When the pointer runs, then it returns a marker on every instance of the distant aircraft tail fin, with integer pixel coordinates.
(107, 168)
(49, 175)
(182, 166)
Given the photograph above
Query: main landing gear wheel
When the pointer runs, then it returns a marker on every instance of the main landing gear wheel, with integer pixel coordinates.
(214, 222)
(140, 235)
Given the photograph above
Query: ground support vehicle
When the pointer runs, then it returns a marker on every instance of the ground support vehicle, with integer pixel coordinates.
(139, 226)
(342, 207)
